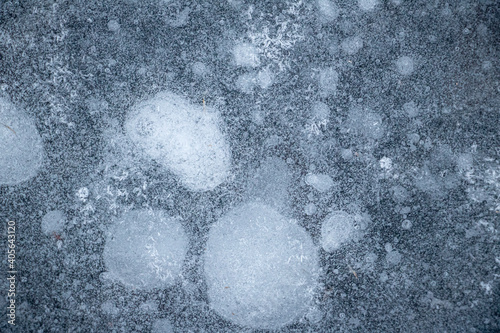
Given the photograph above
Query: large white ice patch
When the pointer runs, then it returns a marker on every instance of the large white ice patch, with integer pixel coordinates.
(261, 268)
(183, 137)
(21, 148)
(145, 249)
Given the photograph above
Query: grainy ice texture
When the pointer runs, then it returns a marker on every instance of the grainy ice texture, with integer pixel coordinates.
(261, 268)
(231, 166)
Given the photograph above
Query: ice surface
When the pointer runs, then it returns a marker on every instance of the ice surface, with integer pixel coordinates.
(320, 182)
(145, 249)
(184, 138)
(246, 55)
(53, 221)
(260, 268)
(21, 148)
(338, 228)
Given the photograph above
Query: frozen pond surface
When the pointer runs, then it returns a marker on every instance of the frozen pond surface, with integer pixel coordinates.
(249, 166)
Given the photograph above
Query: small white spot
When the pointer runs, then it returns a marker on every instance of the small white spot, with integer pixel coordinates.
(386, 163)
(405, 65)
(83, 194)
(113, 25)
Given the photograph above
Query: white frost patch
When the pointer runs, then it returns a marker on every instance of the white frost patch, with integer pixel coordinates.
(261, 269)
(411, 109)
(21, 147)
(310, 209)
(367, 5)
(386, 163)
(328, 11)
(365, 123)
(246, 55)
(265, 78)
(338, 228)
(200, 69)
(162, 326)
(184, 138)
(53, 222)
(404, 65)
(145, 249)
(352, 45)
(320, 182)
(113, 25)
(320, 111)
(328, 81)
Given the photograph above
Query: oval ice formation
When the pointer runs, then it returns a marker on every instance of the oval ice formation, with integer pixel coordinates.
(184, 138)
(337, 229)
(261, 269)
(21, 148)
(320, 182)
(145, 249)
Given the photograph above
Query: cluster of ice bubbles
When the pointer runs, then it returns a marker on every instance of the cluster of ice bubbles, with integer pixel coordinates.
(261, 267)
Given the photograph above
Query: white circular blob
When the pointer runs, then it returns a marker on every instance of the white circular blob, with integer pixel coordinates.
(261, 269)
(246, 55)
(162, 326)
(328, 81)
(310, 209)
(53, 221)
(145, 249)
(265, 78)
(406, 224)
(21, 147)
(338, 228)
(367, 5)
(113, 25)
(200, 69)
(320, 111)
(352, 45)
(320, 182)
(404, 65)
(365, 123)
(328, 10)
(246, 82)
(184, 138)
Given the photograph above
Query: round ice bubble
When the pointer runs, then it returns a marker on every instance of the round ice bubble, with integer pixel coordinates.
(337, 229)
(184, 138)
(145, 249)
(261, 268)
(21, 148)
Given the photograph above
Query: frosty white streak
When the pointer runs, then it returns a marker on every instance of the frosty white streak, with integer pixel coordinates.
(11, 259)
